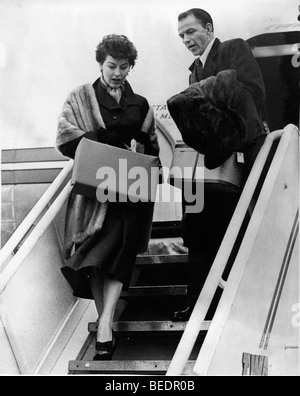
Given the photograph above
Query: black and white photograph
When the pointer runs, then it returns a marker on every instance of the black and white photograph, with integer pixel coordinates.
(149, 190)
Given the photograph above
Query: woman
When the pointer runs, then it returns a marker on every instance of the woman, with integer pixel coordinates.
(103, 239)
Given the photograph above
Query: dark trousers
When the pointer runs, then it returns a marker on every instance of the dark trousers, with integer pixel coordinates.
(202, 234)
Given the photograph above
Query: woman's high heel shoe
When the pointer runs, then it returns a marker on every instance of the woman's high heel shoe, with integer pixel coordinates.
(105, 350)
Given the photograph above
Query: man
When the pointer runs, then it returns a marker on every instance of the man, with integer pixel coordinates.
(203, 232)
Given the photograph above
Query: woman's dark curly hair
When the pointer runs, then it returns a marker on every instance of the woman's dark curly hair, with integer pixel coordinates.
(117, 46)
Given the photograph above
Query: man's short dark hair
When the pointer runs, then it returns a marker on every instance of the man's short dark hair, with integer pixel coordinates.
(203, 16)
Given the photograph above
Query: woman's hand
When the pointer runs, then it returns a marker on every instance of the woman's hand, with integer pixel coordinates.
(149, 141)
(111, 137)
(142, 137)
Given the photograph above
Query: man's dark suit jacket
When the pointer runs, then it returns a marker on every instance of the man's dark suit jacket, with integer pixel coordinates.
(234, 54)
(203, 232)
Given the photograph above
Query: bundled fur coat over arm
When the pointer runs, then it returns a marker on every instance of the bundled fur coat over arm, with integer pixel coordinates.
(216, 116)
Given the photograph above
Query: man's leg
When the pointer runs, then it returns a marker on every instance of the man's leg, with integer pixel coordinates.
(204, 233)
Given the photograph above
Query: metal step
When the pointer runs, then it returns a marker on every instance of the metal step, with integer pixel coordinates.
(166, 229)
(147, 326)
(149, 291)
(149, 367)
(161, 259)
(163, 335)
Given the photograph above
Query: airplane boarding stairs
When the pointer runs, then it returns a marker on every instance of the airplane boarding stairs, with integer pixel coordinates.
(45, 330)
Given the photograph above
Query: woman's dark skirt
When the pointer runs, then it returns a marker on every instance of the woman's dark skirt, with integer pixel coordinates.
(112, 251)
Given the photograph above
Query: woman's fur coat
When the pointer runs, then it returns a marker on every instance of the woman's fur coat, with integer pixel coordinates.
(81, 114)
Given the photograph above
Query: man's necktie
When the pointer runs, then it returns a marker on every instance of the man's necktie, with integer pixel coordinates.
(199, 68)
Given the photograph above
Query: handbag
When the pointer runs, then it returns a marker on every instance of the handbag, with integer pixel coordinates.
(188, 166)
(112, 174)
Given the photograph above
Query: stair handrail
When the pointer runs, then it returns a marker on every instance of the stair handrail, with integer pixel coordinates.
(166, 132)
(34, 236)
(193, 327)
(39, 207)
(208, 349)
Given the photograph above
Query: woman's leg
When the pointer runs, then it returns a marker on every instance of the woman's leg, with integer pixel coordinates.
(111, 294)
(106, 293)
(97, 287)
